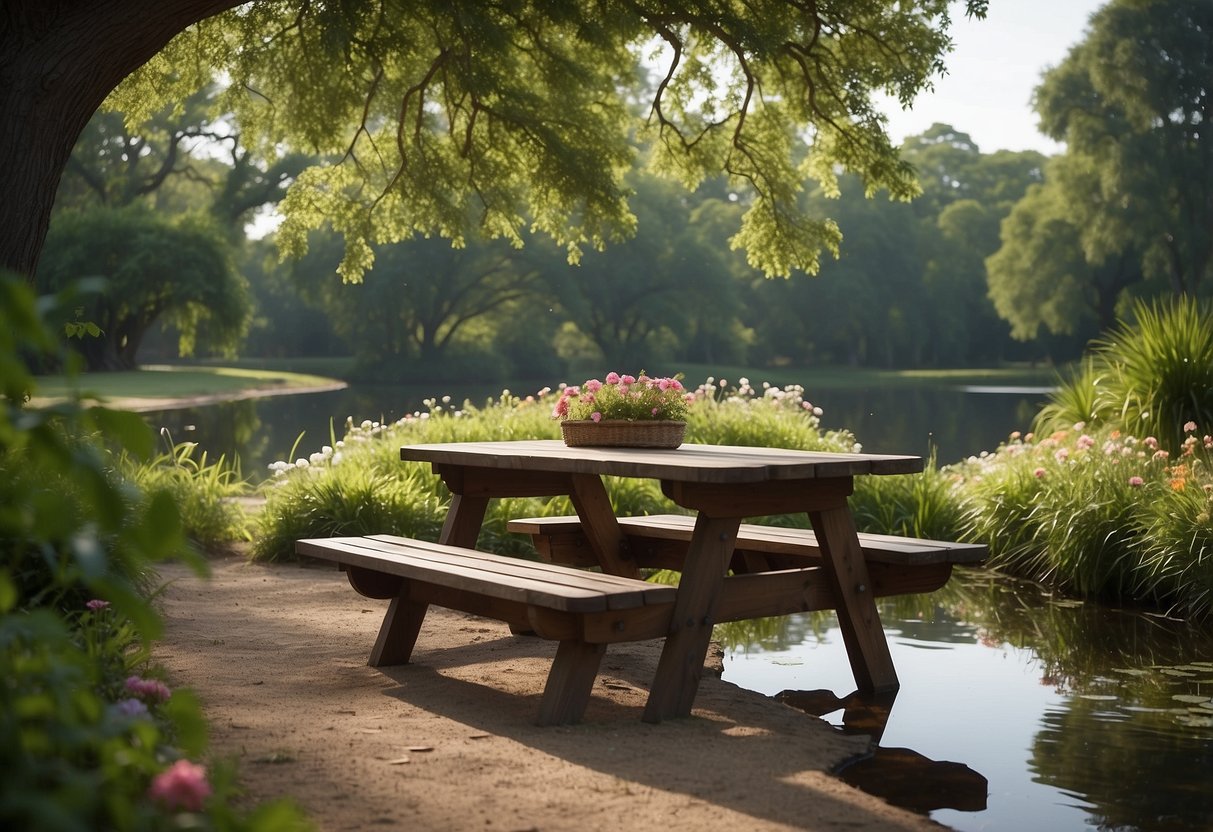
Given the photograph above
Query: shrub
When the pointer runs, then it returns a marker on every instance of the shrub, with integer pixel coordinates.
(206, 493)
(1098, 514)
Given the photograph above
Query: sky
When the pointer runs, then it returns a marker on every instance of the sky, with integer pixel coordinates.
(992, 70)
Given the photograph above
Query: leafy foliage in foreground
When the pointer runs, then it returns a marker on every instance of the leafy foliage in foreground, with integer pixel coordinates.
(89, 738)
(1098, 514)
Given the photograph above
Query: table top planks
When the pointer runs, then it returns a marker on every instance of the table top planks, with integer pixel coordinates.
(688, 463)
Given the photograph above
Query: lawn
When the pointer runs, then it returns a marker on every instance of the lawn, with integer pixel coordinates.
(155, 383)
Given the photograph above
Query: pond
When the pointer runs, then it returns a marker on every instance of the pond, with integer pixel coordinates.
(953, 421)
(1016, 710)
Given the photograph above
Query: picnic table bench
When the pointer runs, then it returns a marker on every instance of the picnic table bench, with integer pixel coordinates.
(897, 565)
(584, 611)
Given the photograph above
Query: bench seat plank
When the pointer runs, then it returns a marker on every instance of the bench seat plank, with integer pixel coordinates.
(773, 540)
(512, 579)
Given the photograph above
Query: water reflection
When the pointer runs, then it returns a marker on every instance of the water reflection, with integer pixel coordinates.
(1079, 717)
(899, 775)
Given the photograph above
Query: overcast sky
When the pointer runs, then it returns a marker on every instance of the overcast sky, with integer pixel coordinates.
(995, 65)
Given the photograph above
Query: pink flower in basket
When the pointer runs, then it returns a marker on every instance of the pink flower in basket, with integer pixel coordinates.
(637, 398)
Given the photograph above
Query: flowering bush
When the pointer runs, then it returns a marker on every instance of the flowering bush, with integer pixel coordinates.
(1098, 512)
(633, 398)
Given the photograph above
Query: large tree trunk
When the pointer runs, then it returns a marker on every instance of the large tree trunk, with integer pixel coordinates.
(59, 59)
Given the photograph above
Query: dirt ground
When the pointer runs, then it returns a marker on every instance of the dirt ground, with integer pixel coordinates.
(277, 655)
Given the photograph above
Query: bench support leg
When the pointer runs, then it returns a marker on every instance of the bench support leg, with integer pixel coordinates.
(398, 633)
(570, 682)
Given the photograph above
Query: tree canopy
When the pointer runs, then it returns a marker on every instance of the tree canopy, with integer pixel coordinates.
(1133, 102)
(440, 117)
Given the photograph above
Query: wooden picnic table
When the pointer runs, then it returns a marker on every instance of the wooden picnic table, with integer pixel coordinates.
(722, 485)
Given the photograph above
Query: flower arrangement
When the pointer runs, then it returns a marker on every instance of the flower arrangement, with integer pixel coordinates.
(625, 411)
(624, 397)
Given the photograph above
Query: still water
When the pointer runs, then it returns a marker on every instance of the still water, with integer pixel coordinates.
(1016, 710)
(953, 421)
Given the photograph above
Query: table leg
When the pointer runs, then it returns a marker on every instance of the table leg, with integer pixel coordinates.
(858, 618)
(402, 622)
(686, 646)
(601, 527)
(463, 520)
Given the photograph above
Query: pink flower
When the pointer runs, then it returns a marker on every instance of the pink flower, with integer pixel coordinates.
(612, 377)
(1084, 442)
(656, 411)
(181, 786)
(1062, 454)
(1160, 455)
(594, 385)
(152, 689)
(627, 379)
(1039, 473)
(97, 604)
(1136, 481)
(1189, 427)
(1151, 442)
(596, 416)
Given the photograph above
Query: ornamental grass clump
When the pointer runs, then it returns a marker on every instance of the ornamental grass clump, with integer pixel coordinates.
(1099, 514)
(1149, 377)
(624, 398)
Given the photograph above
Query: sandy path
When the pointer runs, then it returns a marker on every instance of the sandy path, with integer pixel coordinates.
(277, 655)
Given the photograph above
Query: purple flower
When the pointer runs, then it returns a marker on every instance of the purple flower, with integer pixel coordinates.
(130, 708)
(1136, 481)
(1039, 473)
(97, 604)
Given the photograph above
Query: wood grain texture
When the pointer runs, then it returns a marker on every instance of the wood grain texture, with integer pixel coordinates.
(877, 548)
(689, 463)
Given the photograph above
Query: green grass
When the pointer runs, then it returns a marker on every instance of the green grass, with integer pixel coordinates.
(332, 366)
(125, 389)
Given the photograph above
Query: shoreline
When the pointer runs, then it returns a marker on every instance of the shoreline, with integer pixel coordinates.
(149, 404)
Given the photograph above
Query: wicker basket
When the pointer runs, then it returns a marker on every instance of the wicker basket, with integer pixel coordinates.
(621, 433)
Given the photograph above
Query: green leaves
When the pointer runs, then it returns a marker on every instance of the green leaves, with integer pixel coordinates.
(438, 118)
